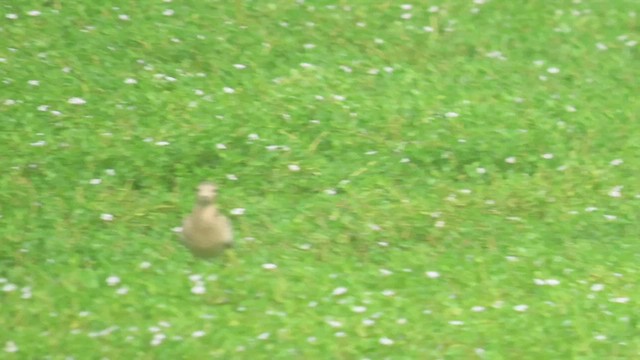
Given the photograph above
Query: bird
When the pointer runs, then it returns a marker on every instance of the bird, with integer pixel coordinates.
(206, 232)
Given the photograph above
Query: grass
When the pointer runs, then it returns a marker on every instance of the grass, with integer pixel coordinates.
(466, 186)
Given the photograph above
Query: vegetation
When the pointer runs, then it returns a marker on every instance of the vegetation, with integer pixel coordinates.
(442, 180)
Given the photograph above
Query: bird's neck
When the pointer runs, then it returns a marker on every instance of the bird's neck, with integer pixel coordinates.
(205, 209)
(204, 203)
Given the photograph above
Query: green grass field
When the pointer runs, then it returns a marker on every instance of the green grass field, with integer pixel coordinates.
(438, 180)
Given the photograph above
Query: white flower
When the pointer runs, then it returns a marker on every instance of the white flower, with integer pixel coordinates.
(168, 12)
(198, 289)
(456, 322)
(597, 287)
(33, 82)
(339, 291)
(26, 293)
(76, 101)
(385, 272)
(388, 292)
(113, 280)
(616, 191)
(553, 70)
(11, 16)
(10, 347)
(9, 287)
(432, 274)
(264, 336)
(124, 17)
(451, 114)
(521, 308)
(428, 28)
(294, 167)
(95, 181)
(600, 337)
(39, 143)
(195, 277)
(359, 309)
(386, 341)
(552, 282)
(620, 300)
(616, 162)
(221, 146)
(156, 341)
(269, 266)
(334, 323)
(228, 90)
(478, 309)
(330, 191)
(239, 66)
(106, 217)
(547, 156)
(34, 13)
(510, 160)
(253, 137)
(496, 55)
(374, 227)
(197, 334)
(237, 211)
(130, 81)
(122, 291)
(481, 170)
(440, 224)
(144, 265)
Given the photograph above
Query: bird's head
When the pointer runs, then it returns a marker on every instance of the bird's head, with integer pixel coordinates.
(206, 193)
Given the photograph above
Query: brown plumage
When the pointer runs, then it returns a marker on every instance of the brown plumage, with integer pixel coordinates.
(206, 232)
